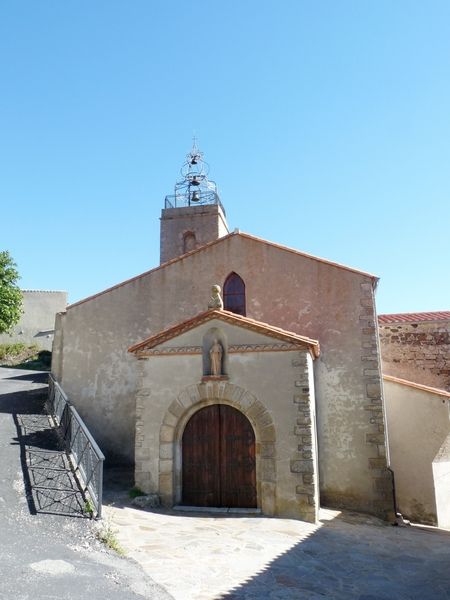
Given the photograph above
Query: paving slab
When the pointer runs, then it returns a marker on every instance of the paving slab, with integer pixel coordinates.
(45, 555)
(200, 556)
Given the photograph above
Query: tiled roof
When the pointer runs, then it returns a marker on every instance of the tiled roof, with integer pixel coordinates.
(418, 386)
(306, 255)
(374, 278)
(233, 319)
(414, 317)
(45, 291)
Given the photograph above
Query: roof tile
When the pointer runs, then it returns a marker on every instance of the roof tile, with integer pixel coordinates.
(231, 318)
(242, 235)
(414, 317)
(418, 386)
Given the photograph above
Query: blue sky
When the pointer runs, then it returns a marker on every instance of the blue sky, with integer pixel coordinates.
(326, 126)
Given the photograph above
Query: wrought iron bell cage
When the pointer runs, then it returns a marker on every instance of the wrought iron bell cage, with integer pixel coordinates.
(194, 189)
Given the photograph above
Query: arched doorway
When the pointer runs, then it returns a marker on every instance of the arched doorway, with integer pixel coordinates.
(218, 459)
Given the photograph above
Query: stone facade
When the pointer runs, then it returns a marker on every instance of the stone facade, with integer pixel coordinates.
(189, 227)
(417, 350)
(304, 464)
(281, 410)
(284, 288)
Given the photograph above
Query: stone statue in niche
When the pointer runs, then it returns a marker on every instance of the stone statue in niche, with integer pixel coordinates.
(215, 300)
(215, 358)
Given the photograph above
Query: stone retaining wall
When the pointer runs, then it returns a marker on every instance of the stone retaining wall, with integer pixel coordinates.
(417, 352)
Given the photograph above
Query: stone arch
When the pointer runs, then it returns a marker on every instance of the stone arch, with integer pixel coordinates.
(192, 399)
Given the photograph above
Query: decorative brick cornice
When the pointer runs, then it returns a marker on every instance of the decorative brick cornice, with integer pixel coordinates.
(232, 349)
(167, 350)
(232, 319)
(238, 348)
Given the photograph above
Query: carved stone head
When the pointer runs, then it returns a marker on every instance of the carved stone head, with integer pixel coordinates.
(215, 300)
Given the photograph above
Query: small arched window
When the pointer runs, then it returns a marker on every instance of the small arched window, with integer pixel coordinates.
(234, 294)
(189, 242)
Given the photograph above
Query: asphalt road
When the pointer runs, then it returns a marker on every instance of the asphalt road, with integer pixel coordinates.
(45, 555)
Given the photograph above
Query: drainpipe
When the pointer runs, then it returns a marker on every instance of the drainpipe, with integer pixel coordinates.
(394, 498)
(399, 520)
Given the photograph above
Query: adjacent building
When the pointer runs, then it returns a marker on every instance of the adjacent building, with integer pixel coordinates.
(37, 323)
(415, 350)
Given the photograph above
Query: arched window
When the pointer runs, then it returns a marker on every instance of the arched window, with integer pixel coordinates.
(189, 242)
(234, 294)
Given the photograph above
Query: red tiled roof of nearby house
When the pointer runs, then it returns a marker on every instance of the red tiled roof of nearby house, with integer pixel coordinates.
(414, 317)
(233, 319)
(418, 386)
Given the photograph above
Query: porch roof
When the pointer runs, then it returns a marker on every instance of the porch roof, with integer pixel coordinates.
(232, 319)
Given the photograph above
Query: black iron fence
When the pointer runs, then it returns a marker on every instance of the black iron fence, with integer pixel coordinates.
(86, 457)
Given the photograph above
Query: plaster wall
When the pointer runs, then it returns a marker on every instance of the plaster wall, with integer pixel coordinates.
(441, 474)
(37, 323)
(284, 288)
(289, 458)
(418, 424)
(417, 352)
(206, 222)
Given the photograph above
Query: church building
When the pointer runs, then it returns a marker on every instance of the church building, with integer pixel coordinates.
(238, 373)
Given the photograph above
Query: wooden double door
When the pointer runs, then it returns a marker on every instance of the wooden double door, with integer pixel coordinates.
(218, 458)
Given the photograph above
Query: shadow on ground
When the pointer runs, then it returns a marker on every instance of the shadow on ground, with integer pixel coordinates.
(34, 377)
(50, 484)
(334, 562)
(349, 556)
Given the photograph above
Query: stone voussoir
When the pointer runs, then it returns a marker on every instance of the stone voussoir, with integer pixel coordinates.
(166, 434)
(177, 409)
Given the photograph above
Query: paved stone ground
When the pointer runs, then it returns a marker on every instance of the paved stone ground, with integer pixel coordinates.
(346, 556)
(44, 553)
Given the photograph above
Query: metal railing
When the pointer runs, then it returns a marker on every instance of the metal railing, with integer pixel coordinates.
(186, 199)
(86, 457)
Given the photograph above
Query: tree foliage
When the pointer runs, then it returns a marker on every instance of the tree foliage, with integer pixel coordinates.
(10, 294)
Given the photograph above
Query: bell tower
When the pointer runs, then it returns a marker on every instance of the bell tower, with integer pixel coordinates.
(193, 215)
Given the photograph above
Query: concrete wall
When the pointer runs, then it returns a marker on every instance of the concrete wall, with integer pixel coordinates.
(418, 425)
(37, 323)
(280, 408)
(417, 352)
(441, 476)
(286, 289)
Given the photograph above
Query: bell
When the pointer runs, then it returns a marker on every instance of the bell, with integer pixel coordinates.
(195, 181)
(195, 197)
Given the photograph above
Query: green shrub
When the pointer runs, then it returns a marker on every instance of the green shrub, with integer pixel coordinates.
(7, 350)
(21, 356)
(107, 535)
(135, 492)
